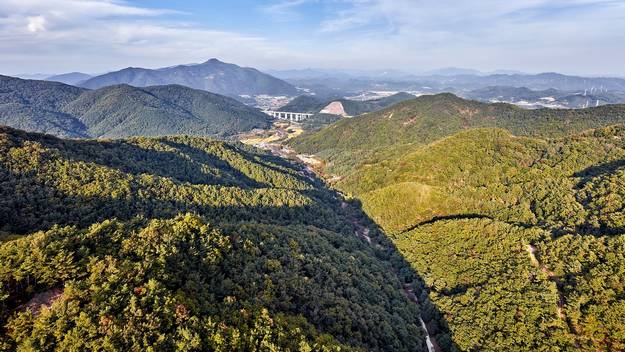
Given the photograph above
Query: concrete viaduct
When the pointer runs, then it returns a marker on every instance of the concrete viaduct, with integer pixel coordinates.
(291, 116)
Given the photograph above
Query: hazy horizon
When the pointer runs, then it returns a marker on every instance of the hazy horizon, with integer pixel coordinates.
(578, 37)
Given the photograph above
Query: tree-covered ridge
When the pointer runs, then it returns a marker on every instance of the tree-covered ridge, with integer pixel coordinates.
(519, 240)
(213, 76)
(480, 276)
(122, 110)
(501, 286)
(429, 118)
(569, 184)
(268, 260)
(312, 104)
(36, 106)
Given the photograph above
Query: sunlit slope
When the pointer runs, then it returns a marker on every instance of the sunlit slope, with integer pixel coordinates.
(426, 119)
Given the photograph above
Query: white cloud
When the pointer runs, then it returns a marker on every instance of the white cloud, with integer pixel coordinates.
(284, 9)
(36, 24)
(533, 35)
(102, 35)
(536, 35)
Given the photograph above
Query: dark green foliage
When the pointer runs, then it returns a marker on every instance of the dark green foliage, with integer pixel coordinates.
(591, 271)
(318, 121)
(479, 274)
(268, 262)
(355, 108)
(571, 187)
(37, 106)
(122, 111)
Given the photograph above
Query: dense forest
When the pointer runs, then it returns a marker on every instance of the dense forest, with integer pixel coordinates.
(186, 243)
(397, 129)
(500, 228)
(517, 234)
(122, 110)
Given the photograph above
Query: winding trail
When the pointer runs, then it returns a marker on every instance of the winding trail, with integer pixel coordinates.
(363, 232)
(532, 250)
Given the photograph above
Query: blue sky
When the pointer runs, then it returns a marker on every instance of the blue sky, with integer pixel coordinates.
(570, 36)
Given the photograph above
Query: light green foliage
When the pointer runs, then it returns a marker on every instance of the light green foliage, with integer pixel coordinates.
(372, 137)
(479, 274)
(464, 203)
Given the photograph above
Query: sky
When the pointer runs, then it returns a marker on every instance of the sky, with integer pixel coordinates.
(95, 36)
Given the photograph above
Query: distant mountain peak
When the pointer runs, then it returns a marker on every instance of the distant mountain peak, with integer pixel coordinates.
(227, 79)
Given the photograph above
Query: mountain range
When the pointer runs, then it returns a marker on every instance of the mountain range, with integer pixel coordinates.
(213, 76)
(122, 110)
(551, 98)
(440, 224)
(430, 117)
(331, 86)
(72, 78)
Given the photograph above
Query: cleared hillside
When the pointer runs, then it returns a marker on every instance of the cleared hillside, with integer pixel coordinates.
(311, 104)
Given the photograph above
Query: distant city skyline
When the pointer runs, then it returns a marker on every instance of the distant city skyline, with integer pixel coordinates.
(582, 37)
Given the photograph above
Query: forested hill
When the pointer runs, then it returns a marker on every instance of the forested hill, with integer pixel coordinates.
(186, 243)
(311, 104)
(122, 110)
(38, 106)
(523, 237)
(428, 118)
(518, 231)
(213, 76)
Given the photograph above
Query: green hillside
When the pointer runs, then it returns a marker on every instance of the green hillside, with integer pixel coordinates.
(305, 103)
(466, 209)
(517, 232)
(187, 244)
(311, 104)
(428, 118)
(37, 106)
(355, 108)
(122, 110)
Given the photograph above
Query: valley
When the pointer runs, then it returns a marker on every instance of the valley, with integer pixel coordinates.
(162, 216)
(312, 176)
